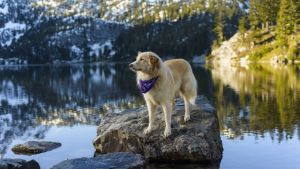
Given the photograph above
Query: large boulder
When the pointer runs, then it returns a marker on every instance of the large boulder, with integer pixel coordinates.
(121, 160)
(18, 164)
(196, 141)
(229, 52)
(35, 147)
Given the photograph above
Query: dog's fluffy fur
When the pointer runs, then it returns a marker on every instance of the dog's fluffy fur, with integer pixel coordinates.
(175, 77)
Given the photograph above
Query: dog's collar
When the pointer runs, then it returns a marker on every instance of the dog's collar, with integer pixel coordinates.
(146, 85)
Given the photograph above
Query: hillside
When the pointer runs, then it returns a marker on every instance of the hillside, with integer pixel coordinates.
(40, 31)
(263, 48)
(268, 32)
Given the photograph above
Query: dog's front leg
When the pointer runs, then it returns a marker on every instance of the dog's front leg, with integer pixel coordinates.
(167, 108)
(151, 112)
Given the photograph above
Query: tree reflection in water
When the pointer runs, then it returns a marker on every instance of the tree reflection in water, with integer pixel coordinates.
(260, 99)
(34, 98)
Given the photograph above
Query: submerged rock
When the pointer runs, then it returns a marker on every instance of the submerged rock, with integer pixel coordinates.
(182, 166)
(121, 160)
(35, 147)
(196, 141)
(18, 164)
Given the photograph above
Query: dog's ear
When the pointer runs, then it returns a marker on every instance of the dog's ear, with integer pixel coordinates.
(154, 61)
(139, 52)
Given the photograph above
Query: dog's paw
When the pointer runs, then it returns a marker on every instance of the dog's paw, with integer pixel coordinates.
(167, 132)
(187, 118)
(148, 130)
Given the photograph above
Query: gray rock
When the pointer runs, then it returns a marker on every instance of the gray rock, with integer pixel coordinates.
(121, 160)
(196, 141)
(35, 147)
(18, 164)
(182, 166)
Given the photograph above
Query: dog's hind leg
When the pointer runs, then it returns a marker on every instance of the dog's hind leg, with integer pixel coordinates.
(167, 109)
(189, 97)
(173, 104)
(187, 116)
(151, 112)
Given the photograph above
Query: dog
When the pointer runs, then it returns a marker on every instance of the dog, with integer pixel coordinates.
(160, 82)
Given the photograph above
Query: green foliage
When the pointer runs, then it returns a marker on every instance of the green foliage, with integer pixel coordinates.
(242, 25)
(267, 10)
(297, 15)
(293, 53)
(185, 38)
(284, 17)
(260, 52)
(145, 11)
(263, 13)
(218, 29)
(253, 15)
(294, 49)
(226, 18)
(286, 21)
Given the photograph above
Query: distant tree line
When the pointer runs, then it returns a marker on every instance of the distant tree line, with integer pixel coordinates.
(178, 29)
(277, 20)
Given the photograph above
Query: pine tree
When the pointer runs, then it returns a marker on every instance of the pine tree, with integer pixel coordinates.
(296, 4)
(219, 27)
(263, 13)
(242, 25)
(267, 10)
(286, 21)
(135, 11)
(253, 15)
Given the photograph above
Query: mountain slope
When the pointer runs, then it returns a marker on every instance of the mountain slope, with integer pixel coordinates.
(263, 48)
(50, 31)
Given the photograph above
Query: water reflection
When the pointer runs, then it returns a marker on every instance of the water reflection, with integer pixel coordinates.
(34, 98)
(38, 101)
(258, 99)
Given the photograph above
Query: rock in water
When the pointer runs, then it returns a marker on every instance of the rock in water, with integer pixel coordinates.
(121, 160)
(196, 141)
(18, 164)
(35, 147)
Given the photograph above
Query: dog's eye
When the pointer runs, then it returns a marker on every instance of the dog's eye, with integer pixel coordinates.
(141, 59)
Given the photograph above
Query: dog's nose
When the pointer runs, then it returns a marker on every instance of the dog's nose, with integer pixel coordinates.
(130, 65)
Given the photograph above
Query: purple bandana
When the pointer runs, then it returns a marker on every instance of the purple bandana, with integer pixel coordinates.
(146, 85)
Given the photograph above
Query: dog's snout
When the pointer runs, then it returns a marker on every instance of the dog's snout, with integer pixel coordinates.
(130, 65)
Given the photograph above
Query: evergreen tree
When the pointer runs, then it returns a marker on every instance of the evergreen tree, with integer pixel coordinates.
(254, 19)
(135, 13)
(102, 8)
(242, 25)
(267, 11)
(263, 13)
(219, 27)
(296, 4)
(286, 21)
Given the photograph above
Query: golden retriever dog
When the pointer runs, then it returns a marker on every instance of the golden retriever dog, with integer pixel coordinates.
(160, 82)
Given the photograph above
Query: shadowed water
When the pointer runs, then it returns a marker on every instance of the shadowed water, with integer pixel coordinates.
(258, 108)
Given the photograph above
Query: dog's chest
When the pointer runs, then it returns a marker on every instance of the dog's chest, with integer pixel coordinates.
(155, 98)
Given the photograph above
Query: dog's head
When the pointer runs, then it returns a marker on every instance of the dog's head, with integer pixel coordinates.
(146, 62)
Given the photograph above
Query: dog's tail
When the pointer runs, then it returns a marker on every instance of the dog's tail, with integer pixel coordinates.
(193, 100)
(193, 92)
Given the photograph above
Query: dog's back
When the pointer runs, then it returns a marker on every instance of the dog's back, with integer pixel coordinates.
(184, 78)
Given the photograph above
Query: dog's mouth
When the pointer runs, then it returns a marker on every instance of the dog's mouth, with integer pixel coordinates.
(134, 69)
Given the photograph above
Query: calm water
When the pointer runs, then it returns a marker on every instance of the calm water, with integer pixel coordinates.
(258, 109)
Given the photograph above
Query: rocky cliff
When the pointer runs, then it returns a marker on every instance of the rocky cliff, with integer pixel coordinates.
(256, 47)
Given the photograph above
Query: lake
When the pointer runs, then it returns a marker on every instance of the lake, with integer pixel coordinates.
(258, 108)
